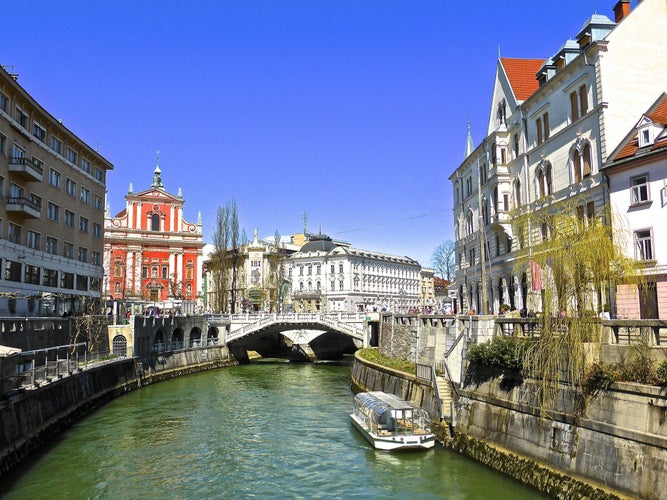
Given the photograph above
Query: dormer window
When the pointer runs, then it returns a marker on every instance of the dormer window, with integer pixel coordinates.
(645, 136)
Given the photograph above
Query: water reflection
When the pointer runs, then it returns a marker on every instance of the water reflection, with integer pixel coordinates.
(268, 430)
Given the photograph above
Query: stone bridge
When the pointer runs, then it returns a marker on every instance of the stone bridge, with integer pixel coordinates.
(296, 335)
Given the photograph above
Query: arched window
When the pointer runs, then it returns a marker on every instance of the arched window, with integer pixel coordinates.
(540, 183)
(587, 161)
(517, 193)
(581, 161)
(119, 346)
(501, 298)
(576, 165)
(544, 180)
(469, 222)
(155, 222)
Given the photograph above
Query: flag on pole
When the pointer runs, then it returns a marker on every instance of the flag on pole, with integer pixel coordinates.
(535, 276)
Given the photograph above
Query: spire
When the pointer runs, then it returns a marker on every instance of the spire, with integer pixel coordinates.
(470, 147)
(199, 218)
(157, 178)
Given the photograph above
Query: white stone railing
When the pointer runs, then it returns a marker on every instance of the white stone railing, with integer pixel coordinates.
(334, 321)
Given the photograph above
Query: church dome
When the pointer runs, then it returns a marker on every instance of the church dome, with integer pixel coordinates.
(318, 243)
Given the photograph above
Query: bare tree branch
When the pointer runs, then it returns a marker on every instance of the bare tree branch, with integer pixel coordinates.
(443, 260)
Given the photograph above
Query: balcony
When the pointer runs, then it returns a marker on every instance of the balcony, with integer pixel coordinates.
(26, 169)
(500, 218)
(23, 206)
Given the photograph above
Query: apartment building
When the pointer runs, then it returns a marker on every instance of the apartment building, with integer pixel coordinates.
(331, 276)
(637, 172)
(52, 192)
(427, 299)
(552, 125)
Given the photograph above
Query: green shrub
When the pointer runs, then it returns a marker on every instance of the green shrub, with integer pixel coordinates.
(502, 352)
(638, 365)
(662, 373)
(599, 377)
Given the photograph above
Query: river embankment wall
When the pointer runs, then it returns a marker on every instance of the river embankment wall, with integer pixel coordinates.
(367, 376)
(509, 436)
(32, 418)
(616, 437)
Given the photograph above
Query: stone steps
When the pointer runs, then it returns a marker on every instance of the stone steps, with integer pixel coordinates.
(446, 395)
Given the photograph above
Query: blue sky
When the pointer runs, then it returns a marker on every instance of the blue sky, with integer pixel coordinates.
(353, 111)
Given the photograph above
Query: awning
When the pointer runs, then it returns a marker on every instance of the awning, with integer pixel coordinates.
(8, 351)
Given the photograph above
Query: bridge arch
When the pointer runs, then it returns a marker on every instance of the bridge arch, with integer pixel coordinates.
(314, 335)
(177, 338)
(158, 342)
(195, 337)
(212, 336)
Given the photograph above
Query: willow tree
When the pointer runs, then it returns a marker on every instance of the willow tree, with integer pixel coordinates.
(573, 261)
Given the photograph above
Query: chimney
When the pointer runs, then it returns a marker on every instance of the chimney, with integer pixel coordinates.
(621, 9)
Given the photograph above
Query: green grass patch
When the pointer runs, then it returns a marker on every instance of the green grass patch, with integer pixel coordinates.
(373, 355)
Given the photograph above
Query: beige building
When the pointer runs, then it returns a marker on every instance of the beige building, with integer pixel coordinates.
(427, 302)
(260, 283)
(52, 192)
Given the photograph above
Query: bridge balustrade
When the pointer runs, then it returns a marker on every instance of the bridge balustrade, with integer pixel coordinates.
(335, 320)
(518, 327)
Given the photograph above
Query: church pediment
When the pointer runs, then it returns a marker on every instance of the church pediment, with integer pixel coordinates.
(155, 194)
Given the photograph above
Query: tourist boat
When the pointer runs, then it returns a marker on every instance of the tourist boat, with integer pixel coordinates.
(391, 423)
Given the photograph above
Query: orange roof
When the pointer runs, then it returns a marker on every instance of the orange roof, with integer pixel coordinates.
(658, 115)
(521, 75)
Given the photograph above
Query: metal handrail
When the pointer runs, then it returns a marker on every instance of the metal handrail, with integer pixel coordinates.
(22, 160)
(19, 200)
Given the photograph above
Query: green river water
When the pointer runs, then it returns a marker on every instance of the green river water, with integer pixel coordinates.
(265, 430)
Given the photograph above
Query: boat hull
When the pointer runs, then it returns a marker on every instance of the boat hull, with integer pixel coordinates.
(394, 442)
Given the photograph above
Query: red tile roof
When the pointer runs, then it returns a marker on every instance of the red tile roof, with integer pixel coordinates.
(521, 75)
(658, 115)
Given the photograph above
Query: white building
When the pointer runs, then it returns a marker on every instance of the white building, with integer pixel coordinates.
(552, 125)
(331, 276)
(637, 173)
